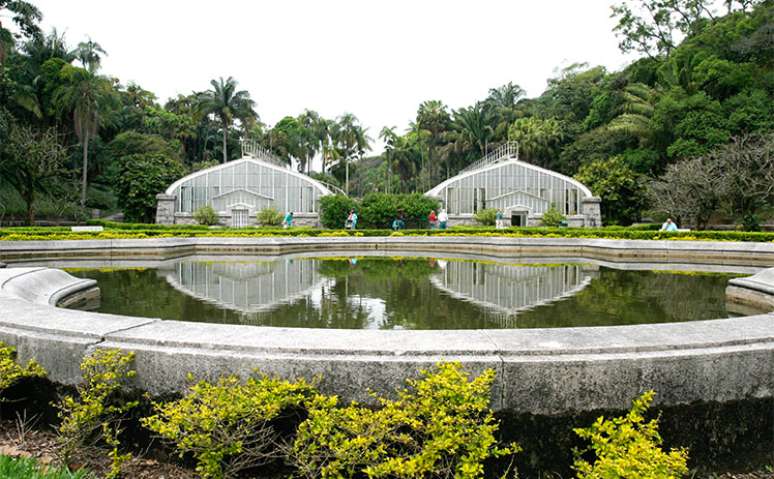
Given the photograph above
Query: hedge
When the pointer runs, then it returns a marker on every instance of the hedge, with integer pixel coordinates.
(134, 231)
(377, 210)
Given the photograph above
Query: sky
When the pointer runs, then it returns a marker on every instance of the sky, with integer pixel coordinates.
(378, 59)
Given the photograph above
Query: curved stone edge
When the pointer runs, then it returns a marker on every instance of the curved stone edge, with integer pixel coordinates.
(541, 371)
(756, 290)
(42, 285)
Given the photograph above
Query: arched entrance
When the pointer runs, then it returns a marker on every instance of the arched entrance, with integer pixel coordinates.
(517, 215)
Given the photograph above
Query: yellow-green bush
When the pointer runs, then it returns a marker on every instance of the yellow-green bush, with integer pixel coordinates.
(269, 217)
(441, 426)
(206, 215)
(552, 217)
(628, 447)
(11, 372)
(229, 426)
(94, 417)
(486, 217)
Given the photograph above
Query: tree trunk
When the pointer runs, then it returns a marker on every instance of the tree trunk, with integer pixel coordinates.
(29, 198)
(225, 136)
(85, 168)
(346, 175)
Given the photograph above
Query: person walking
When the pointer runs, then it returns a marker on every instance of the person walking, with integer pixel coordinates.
(433, 220)
(351, 220)
(443, 218)
(288, 221)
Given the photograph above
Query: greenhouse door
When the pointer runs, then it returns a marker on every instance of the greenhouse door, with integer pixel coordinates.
(239, 217)
(518, 218)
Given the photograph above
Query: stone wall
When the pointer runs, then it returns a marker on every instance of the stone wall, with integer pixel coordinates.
(539, 371)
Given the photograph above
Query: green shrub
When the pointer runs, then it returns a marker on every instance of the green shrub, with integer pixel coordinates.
(137, 231)
(11, 372)
(137, 180)
(206, 215)
(229, 426)
(552, 217)
(628, 447)
(269, 217)
(378, 210)
(95, 417)
(334, 210)
(440, 427)
(486, 217)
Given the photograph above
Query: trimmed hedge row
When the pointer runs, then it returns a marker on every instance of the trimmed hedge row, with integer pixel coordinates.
(162, 231)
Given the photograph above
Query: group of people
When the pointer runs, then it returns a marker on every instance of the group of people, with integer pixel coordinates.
(438, 221)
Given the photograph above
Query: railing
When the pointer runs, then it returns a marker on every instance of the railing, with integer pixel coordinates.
(504, 152)
(331, 187)
(253, 149)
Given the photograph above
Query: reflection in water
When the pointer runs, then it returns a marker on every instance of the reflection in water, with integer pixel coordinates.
(246, 287)
(406, 293)
(507, 289)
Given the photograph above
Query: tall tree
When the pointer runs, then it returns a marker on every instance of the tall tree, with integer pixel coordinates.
(474, 127)
(352, 140)
(390, 138)
(433, 118)
(26, 17)
(90, 98)
(89, 53)
(227, 104)
(652, 27)
(33, 158)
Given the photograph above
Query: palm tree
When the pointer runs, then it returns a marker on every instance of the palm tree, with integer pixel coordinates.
(389, 137)
(473, 126)
(26, 17)
(352, 140)
(538, 139)
(227, 104)
(89, 97)
(88, 53)
(636, 112)
(433, 118)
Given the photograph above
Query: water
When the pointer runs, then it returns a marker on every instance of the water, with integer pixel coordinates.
(407, 293)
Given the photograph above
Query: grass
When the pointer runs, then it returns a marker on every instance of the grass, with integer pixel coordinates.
(28, 468)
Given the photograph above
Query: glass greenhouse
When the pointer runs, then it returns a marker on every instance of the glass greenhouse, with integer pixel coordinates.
(522, 192)
(239, 189)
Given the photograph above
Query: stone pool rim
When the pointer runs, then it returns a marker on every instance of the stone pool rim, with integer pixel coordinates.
(541, 371)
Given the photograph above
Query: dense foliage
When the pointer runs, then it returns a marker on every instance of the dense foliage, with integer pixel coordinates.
(628, 447)
(378, 210)
(441, 426)
(12, 372)
(93, 418)
(704, 81)
(229, 426)
(269, 217)
(206, 216)
(138, 231)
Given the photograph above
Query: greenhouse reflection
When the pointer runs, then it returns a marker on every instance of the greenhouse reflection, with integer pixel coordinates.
(246, 287)
(505, 290)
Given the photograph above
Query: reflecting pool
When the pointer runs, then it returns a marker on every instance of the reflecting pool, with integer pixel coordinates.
(379, 292)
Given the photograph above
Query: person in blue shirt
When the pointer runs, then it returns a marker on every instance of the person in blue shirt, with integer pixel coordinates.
(669, 226)
(288, 221)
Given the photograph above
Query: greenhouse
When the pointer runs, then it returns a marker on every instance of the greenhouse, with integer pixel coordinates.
(521, 191)
(239, 189)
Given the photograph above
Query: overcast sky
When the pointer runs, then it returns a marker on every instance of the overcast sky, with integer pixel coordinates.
(375, 58)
